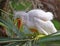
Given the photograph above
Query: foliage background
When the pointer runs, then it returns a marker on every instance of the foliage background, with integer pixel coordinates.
(16, 37)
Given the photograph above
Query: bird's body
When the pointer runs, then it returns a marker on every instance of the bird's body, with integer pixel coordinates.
(39, 20)
(41, 14)
(47, 26)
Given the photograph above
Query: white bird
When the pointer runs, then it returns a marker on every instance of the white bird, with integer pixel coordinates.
(42, 21)
(41, 14)
(37, 19)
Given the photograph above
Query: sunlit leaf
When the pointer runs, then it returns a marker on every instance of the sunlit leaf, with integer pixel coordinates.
(49, 39)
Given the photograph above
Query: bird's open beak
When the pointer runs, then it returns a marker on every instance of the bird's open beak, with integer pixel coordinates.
(19, 23)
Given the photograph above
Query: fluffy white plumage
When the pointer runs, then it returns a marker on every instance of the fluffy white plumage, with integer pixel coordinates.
(45, 27)
(41, 14)
(37, 19)
(22, 15)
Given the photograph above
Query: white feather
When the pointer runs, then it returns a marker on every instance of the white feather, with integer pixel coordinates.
(41, 14)
(22, 15)
(47, 26)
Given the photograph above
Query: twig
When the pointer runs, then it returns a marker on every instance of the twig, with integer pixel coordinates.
(5, 12)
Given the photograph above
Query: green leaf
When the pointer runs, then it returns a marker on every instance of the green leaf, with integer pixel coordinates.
(15, 43)
(5, 40)
(28, 43)
(49, 39)
(11, 26)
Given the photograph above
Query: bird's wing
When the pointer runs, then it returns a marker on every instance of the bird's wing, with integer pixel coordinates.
(49, 16)
(40, 29)
(41, 14)
(46, 25)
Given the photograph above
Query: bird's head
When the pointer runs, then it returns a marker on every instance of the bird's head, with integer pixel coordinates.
(19, 16)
